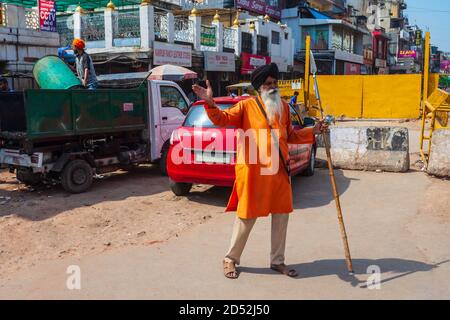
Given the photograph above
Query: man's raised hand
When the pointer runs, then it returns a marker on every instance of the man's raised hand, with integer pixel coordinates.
(204, 93)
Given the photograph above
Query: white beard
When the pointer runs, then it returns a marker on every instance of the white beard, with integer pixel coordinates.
(274, 106)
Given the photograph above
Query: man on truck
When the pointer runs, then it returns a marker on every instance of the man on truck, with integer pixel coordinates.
(84, 66)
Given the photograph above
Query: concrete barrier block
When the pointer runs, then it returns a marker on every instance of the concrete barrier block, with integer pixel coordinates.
(439, 163)
(368, 148)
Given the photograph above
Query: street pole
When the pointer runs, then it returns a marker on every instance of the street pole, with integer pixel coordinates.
(307, 72)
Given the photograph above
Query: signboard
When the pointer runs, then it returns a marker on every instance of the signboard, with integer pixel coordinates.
(281, 62)
(47, 15)
(407, 54)
(418, 38)
(208, 36)
(352, 68)
(260, 7)
(380, 63)
(168, 53)
(319, 36)
(252, 61)
(219, 61)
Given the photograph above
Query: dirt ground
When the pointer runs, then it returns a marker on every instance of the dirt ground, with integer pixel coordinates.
(122, 209)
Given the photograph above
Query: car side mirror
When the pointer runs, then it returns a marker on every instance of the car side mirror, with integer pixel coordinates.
(309, 122)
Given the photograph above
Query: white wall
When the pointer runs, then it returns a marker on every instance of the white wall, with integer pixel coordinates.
(19, 43)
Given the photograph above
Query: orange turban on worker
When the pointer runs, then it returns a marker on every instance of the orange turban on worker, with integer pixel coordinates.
(78, 43)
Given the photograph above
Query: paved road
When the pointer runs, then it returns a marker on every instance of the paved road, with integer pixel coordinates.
(391, 224)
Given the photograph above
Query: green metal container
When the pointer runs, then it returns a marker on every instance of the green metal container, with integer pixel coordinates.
(51, 72)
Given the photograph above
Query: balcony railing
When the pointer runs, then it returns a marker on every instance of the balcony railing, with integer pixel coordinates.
(126, 32)
(64, 25)
(161, 26)
(184, 30)
(141, 26)
(93, 29)
(229, 38)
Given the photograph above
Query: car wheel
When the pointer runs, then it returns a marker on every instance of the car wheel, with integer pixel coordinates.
(180, 188)
(309, 171)
(77, 176)
(163, 160)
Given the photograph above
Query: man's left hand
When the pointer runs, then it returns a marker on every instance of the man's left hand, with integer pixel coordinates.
(320, 127)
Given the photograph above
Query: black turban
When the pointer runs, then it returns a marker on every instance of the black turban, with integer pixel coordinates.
(260, 74)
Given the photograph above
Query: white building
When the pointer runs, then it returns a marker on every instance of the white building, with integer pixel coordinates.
(22, 44)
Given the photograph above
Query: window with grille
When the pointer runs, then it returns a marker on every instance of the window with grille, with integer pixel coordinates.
(261, 48)
(275, 37)
(247, 45)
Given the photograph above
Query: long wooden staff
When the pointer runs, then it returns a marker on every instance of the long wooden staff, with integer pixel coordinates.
(326, 142)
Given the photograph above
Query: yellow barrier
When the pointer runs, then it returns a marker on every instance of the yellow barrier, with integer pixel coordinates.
(433, 83)
(392, 96)
(288, 87)
(372, 97)
(436, 108)
(341, 95)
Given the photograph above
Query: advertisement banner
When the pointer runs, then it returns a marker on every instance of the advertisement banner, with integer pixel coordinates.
(260, 7)
(208, 36)
(168, 53)
(319, 36)
(273, 12)
(47, 15)
(418, 38)
(252, 61)
(219, 61)
(407, 54)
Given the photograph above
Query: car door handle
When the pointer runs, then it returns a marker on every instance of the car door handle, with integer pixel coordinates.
(164, 118)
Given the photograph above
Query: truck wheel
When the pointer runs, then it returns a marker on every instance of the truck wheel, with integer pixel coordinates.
(77, 176)
(309, 171)
(27, 177)
(180, 188)
(163, 160)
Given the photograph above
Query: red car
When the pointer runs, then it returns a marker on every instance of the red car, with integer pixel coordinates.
(192, 160)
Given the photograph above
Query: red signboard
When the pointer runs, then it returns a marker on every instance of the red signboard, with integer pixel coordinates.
(47, 15)
(260, 7)
(252, 61)
(352, 68)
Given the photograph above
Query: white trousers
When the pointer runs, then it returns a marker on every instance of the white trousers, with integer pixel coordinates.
(241, 231)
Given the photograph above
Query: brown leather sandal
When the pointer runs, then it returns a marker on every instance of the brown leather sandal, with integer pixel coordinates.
(229, 270)
(283, 269)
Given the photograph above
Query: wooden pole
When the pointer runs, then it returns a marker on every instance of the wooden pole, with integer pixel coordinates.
(326, 142)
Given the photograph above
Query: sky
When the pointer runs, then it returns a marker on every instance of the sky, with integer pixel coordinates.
(433, 16)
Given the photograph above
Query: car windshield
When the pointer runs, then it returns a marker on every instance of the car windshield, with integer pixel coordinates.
(197, 116)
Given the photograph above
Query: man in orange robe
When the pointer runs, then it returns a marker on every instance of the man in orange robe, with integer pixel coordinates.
(261, 187)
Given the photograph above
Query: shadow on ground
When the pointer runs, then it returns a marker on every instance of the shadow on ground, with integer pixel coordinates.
(399, 267)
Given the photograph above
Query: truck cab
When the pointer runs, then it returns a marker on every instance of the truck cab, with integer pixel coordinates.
(69, 135)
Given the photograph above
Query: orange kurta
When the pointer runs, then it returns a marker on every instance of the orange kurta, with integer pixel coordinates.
(256, 195)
